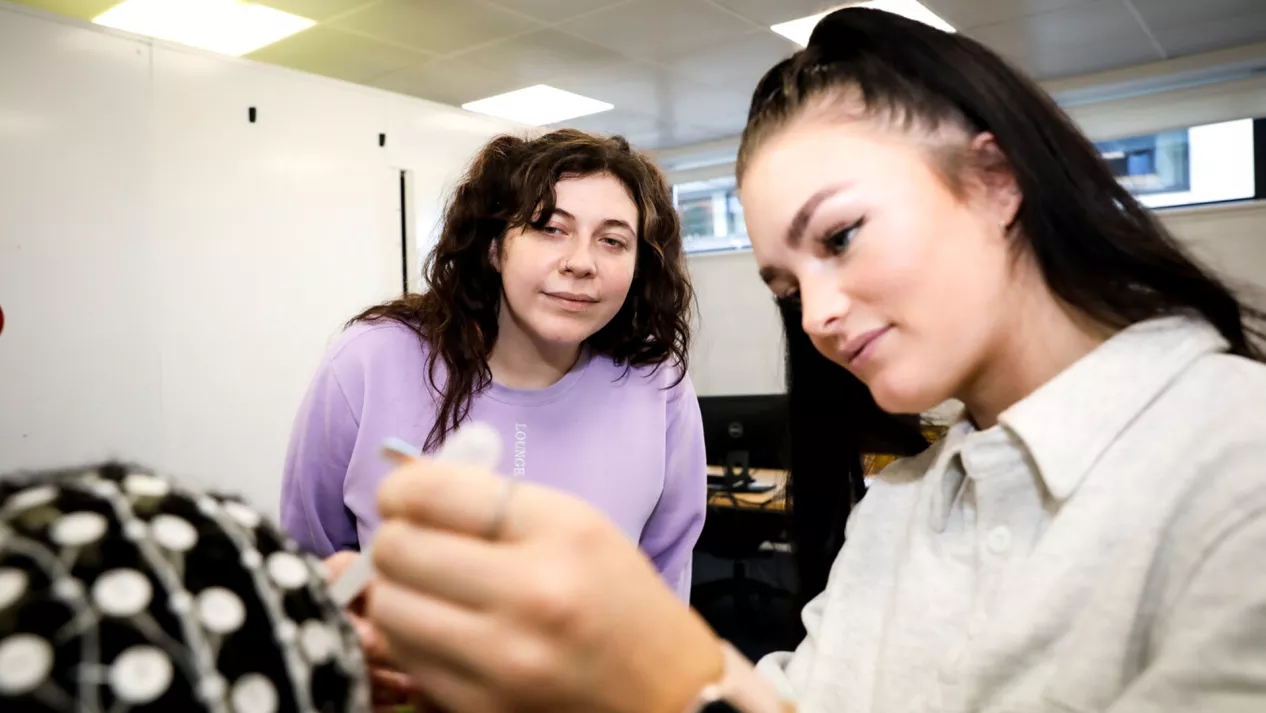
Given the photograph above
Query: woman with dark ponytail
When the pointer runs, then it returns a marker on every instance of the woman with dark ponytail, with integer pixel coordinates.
(1087, 537)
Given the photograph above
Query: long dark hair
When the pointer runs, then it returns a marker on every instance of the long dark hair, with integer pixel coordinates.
(1099, 251)
(833, 421)
(510, 185)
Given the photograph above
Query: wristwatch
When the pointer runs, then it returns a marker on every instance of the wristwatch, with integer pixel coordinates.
(740, 689)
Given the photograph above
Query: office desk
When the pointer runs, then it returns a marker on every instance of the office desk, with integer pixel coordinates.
(771, 500)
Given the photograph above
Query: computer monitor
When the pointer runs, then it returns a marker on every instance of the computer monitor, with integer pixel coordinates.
(742, 432)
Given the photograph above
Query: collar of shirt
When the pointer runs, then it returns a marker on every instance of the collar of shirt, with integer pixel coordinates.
(1068, 422)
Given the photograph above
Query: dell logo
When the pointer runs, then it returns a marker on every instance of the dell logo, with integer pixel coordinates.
(736, 430)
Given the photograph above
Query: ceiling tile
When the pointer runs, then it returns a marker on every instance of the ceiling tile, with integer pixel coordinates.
(1191, 27)
(551, 11)
(650, 29)
(721, 110)
(331, 53)
(966, 14)
(451, 81)
(1074, 60)
(437, 26)
(1092, 35)
(319, 10)
(539, 56)
(742, 61)
(669, 136)
(772, 12)
(617, 121)
(80, 9)
(636, 86)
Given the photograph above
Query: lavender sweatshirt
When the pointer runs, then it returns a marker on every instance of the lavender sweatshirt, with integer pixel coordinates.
(632, 445)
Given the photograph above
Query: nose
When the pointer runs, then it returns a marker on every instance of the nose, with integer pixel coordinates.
(823, 306)
(578, 260)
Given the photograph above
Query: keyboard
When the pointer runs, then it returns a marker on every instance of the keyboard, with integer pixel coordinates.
(717, 482)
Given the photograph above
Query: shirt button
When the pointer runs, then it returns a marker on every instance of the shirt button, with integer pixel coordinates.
(999, 540)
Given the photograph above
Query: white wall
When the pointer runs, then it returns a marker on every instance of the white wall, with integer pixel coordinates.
(171, 273)
(739, 346)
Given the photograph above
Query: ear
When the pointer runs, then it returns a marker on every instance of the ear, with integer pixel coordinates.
(1001, 191)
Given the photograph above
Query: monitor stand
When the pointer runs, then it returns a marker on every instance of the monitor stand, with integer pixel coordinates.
(737, 474)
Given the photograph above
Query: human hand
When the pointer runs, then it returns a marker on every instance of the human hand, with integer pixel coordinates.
(559, 612)
(390, 689)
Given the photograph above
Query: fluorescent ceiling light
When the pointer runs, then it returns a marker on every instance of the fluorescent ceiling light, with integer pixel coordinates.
(537, 105)
(231, 27)
(798, 31)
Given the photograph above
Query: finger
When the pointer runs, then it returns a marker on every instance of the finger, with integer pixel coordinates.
(337, 563)
(441, 688)
(462, 570)
(451, 692)
(372, 644)
(465, 500)
(419, 627)
(391, 683)
(448, 496)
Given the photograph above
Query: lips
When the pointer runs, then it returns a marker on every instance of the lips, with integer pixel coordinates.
(573, 299)
(857, 345)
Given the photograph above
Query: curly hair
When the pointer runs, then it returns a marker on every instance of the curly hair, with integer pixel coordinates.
(510, 185)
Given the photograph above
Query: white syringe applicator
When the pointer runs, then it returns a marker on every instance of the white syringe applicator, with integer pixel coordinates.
(476, 444)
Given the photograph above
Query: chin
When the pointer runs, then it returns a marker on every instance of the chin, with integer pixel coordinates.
(564, 331)
(903, 395)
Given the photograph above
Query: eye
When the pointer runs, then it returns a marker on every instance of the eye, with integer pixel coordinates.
(614, 242)
(552, 230)
(789, 297)
(838, 241)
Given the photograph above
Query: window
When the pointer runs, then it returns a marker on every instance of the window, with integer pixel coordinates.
(1212, 163)
(1203, 164)
(711, 215)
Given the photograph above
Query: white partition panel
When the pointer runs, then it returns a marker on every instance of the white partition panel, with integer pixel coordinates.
(172, 272)
(78, 356)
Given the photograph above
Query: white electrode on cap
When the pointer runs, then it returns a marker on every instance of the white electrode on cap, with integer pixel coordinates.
(475, 444)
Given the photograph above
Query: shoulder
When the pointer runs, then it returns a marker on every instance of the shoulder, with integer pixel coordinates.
(382, 350)
(373, 343)
(1217, 406)
(664, 381)
(910, 470)
(897, 486)
(369, 339)
(1214, 423)
(1241, 381)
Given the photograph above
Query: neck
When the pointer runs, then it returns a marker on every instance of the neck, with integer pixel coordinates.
(1041, 338)
(522, 362)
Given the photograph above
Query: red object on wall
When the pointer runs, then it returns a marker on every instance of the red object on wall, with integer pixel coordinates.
(1, 319)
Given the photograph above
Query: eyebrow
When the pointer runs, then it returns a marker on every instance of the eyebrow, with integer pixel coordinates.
(608, 223)
(795, 231)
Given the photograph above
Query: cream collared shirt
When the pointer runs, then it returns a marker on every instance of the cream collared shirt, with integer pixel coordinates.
(1102, 549)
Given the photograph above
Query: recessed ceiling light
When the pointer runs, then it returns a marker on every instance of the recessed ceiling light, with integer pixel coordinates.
(231, 27)
(798, 31)
(538, 105)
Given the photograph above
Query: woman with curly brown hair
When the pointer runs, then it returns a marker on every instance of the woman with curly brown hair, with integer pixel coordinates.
(557, 311)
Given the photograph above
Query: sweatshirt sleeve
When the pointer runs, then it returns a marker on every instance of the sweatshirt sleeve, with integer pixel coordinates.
(674, 526)
(321, 444)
